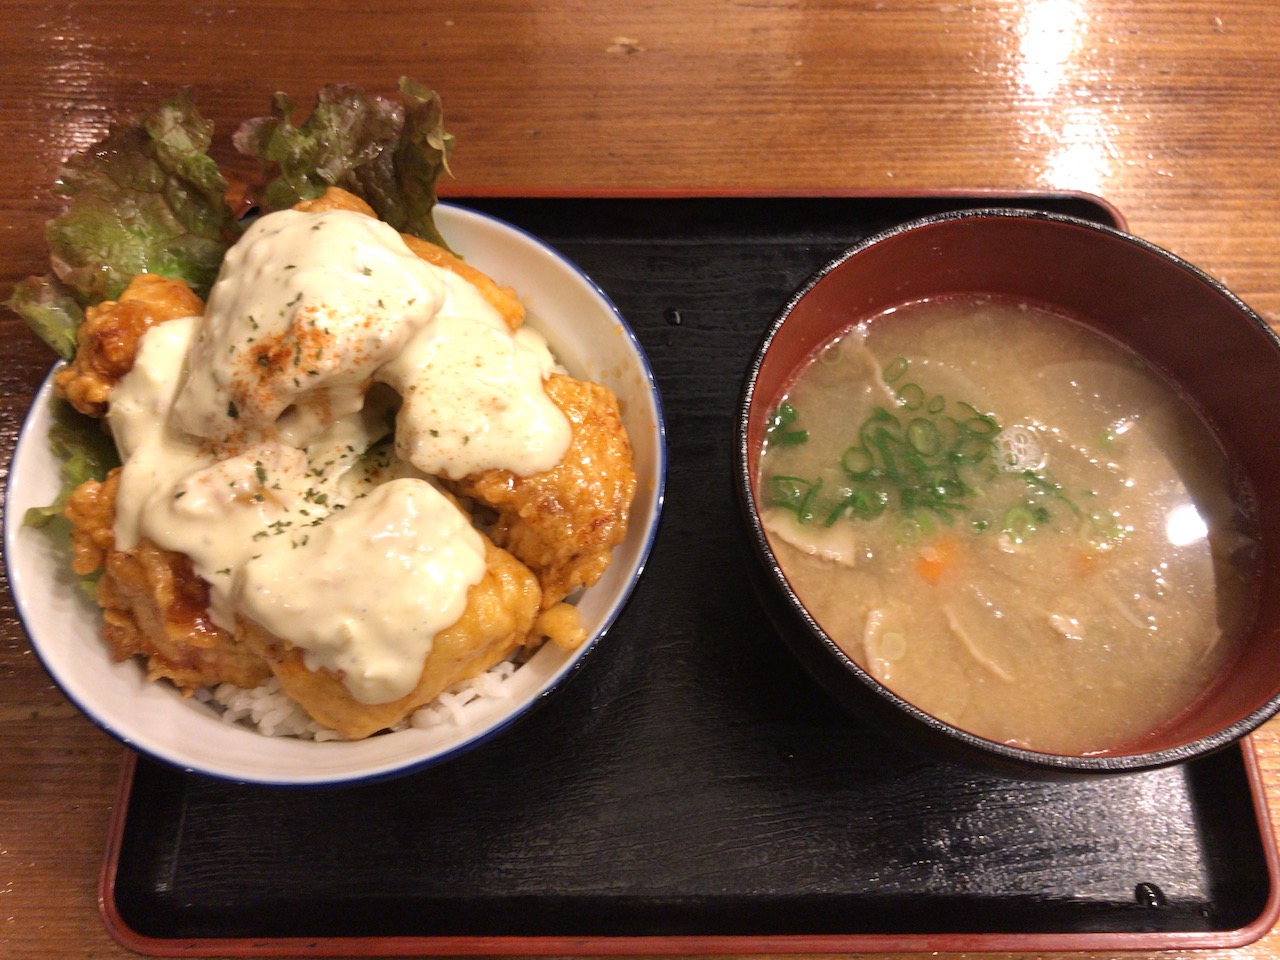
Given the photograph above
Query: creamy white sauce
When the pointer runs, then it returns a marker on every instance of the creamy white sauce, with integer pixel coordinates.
(355, 567)
(255, 440)
(472, 400)
(305, 309)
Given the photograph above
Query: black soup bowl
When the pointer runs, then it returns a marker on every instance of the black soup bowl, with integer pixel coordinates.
(1217, 352)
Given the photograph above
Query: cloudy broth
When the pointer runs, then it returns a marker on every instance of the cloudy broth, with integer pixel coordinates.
(1009, 521)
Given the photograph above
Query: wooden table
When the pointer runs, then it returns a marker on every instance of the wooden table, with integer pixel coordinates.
(1166, 109)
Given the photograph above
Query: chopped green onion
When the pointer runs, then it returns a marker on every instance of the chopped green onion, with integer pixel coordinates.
(1020, 522)
(895, 369)
(858, 464)
(911, 396)
(795, 494)
(928, 459)
(924, 436)
(779, 428)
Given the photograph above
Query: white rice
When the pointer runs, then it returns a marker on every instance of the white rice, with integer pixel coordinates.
(273, 713)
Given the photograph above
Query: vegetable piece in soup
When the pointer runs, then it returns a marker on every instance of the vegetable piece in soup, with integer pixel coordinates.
(1011, 522)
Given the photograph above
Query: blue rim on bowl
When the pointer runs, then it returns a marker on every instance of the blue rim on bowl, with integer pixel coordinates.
(63, 623)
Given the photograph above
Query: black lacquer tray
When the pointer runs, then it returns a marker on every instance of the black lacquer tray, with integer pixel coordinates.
(691, 790)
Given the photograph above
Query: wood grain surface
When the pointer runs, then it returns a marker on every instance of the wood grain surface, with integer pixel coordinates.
(1166, 109)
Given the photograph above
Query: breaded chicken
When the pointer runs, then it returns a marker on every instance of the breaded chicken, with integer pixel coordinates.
(156, 607)
(565, 521)
(335, 198)
(503, 299)
(153, 603)
(107, 340)
(553, 535)
(499, 617)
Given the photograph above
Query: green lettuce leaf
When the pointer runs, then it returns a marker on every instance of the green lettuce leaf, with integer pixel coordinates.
(149, 198)
(389, 153)
(50, 310)
(146, 198)
(85, 451)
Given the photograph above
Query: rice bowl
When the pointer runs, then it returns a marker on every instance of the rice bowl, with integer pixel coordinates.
(584, 330)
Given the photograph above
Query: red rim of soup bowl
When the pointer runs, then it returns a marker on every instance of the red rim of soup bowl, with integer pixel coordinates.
(1220, 355)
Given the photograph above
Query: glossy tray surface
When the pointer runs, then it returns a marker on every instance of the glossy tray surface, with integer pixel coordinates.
(690, 781)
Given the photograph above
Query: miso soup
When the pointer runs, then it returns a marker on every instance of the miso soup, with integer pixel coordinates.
(1010, 521)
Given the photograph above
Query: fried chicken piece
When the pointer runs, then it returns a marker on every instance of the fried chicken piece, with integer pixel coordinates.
(107, 340)
(335, 198)
(155, 606)
(562, 625)
(499, 617)
(153, 603)
(503, 299)
(563, 523)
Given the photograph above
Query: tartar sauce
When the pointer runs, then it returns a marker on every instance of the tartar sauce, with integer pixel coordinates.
(257, 440)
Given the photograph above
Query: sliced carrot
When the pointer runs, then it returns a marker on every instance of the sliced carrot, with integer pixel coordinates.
(937, 558)
(1087, 563)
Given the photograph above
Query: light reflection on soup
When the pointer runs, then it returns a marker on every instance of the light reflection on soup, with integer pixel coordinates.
(1011, 522)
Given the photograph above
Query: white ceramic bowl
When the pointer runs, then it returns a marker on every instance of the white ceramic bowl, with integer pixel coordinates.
(590, 338)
